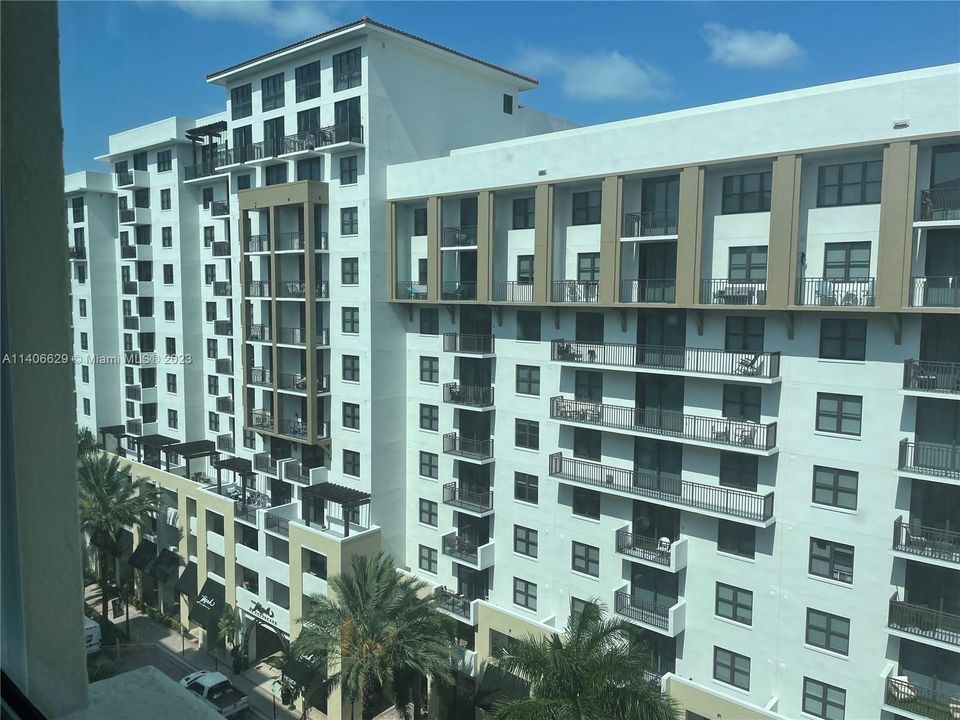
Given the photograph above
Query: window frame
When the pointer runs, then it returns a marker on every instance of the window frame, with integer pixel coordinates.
(753, 270)
(847, 265)
(729, 664)
(432, 559)
(823, 699)
(835, 488)
(526, 325)
(864, 168)
(272, 92)
(350, 271)
(352, 464)
(307, 81)
(741, 194)
(349, 221)
(525, 594)
(587, 560)
(526, 541)
(840, 415)
(429, 414)
(834, 568)
(585, 207)
(836, 640)
(521, 480)
(740, 609)
(347, 69)
(241, 101)
(528, 380)
(584, 499)
(350, 415)
(432, 465)
(840, 335)
(527, 431)
(428, 512)
(429, 369)
(737, 548)
(350, 176)
(523, 213)
(350, 368)
(350, 320)
(164, 160)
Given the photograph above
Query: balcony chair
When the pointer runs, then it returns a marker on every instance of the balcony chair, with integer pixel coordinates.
(824, 294)
(664, 544)
(721, 431)
(746, 434)
(923, 378)
(749, 365)
(902, 689)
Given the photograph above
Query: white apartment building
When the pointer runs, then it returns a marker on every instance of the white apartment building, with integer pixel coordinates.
(703, 367)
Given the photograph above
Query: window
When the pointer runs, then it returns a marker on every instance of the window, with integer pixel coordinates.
(588, 386)
(523, 213)
(587, 444)
(822, 700)
(578, 605)
(422, 271)
(525, 594)
(849, 184)
(349, 222)
(211, 310)
(830, 632)
(241, 102)
(350, 271)
(585, 559)
(744, 334)
(429, 321)
(526, 488)
(738, 470)
(165, 199)
(428, 512)
(428, 559)
(346, 70)
(731, 668)
(843, 339)
(736, 539)
(171, 383)
(76, 205)
(831, 560)
(351, 368)
(83, 341)
(734, 604)
(837, 488)
(525, 541)
(348, 170)
(210, 274)
(350, 318)
(748, 263)
(527, 434)
(271, 92)
(508, 104)
(528, 379)
(589, 328)
(586, 208)
(839, 413)
(164, 161)
(429, 369)
(746, 193)
(310, 169)
(168, 274)
(419, 221)
(207, 196)
(171, 345)
(86, 406)
(741, 402)
(846, 261)
(586, 503)
(81, 273)
(213, 421)
(82, 307)
(140, 161)
(588, 267)
(243, 182)
(172, 418)
(276, 174)
(351, 463)
(169, 310)
(166, 237)
(213, 385)
(528, 325)
(525, 269)
(351, 416)
(429, 417)
(308, 81)
(429, 465)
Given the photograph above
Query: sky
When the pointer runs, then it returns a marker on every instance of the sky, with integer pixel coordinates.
(125, 64)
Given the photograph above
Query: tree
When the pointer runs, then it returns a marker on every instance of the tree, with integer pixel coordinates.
(592, 672)
(87, 445)
(379, 629)
(110, 499)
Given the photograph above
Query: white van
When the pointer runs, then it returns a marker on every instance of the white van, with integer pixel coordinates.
(91, 635)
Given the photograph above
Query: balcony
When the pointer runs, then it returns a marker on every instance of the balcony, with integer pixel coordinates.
(224, 366)
(223, 327)
(664, 619)
(410, 290)
(264, 463)
(924, 376)
(135, 216)
(469, 396)
(458, 290)
(649, 290)
(306, 144)
(466, 551)
(258, 243)
(131, 322)
(222, 289)
(480, 503)
(943, 291)
(261, 376)
(723, 291)
(133, 392)
(292, 381)
(220, 208)
(323, 337)
(129, 287)
(459, 606)
(292, 336)
(195, 172)
(129, 179)
(670, 360)
(295, 472)
(657, 552)
(221, 248)
(710, 431)
(78, 252)
(225, 443)
(940, 204)
(512, 291)
(259, 333)
(322, 290)
(468, 448)
(128, 252)
(575, 291)
(920, 701)
(653, 223)
(930, 459)
(261, 420)
(468, 344)
(134, 427)
(459, 237)
(258, 288)
(293, 427)
(922, 542)
(276, 523)
(225, 404)
(917, 621)
(292, 289)
(833, 292)
(723, 502)
(287, 241)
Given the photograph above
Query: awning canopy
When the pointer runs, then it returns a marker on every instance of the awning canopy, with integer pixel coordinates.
(144, 554)
(155, 440)
(165, 566)
(239, 465)
(208, 607)
(208, 130)
(339, 494)
(497, 684)
(124, 543)
(192, 449)
(187, 584)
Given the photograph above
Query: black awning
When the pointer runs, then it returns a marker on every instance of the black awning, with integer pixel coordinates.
(165, 566)
(124, 543)
(187, 584)
(144, 554)
(208, 607)
(303, 670)
(497, 684)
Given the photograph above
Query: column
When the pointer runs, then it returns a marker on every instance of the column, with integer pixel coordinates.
(542, 244)
(784, 243)
(611, 202)
(689, 236)
(897, 202)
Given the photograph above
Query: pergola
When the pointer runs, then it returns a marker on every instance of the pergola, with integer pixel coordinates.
(241, 467)
(118, 432)
(190, 451)
(155, 441)
(209, 131)
(315, 498)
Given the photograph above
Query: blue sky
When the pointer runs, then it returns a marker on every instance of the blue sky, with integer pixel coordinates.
(124, 64)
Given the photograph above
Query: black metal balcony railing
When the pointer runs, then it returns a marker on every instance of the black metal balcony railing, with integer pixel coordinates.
(258, 288)
(924, 622)
(321, 137)
(723, 291)
(712, 498)
(322, 290)
(290, 241)
(259, 333)
(575, 291)
(295, 472)
(410, 290)
(128, 252)
(512, 291)
(648, 290)
(322, 241)
(261, 419)
(78, 252)
(669, 423)
(291, 289)
(129, 287)
(292, 336)
(695, 360)
(221, 248)
(475, 448)
(261, 376)
(293, 428)
(452, 602)
(225, 404)
(467, 395)
(643, 547)
(469, 344)
(258, 243)
(133, 392)
(224, 366)
(651, 222)
(464, 236)
(131, 322)
(225, 443)
(941, 291)
(264, 463)
(929, 542)
(277, 523)
(323, 384)
(943, 377)
(930, 458)
(645, 611)
(193, 172)
(222, 289)
(920, 700)
(855, 292)
(323, 336)
(220, 207)
(292, 381)
(458, 290)
(940, 204)
(223, 327)
(460, 548)
(456, 496)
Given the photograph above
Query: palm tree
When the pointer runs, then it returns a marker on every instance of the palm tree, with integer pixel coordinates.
(378, 630)
(592, 672)
(87, 444)
(111, 499)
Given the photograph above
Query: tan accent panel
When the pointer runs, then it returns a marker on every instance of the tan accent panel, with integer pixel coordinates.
(542, 244)
(690, 236)
(274, 312)
(484, 245)
(710, 705)
(611, 203)
(433, 248)
(784, 232)
(897, 194)
(391, 227)
(292, 193)
(240, 353)
(490, 618)
(310, 311)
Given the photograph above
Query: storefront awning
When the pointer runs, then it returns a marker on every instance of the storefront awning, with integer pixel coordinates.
(208, 607)
(144, 554)
(187, 584)
(124, 543)
(165, 566)
(496, 685)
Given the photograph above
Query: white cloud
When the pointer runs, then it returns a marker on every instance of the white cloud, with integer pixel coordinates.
(282, 19)
(750, 48)
(598, 76)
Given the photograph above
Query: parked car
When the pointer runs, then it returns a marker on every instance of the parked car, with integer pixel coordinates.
(91, 635)
(216, 689)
